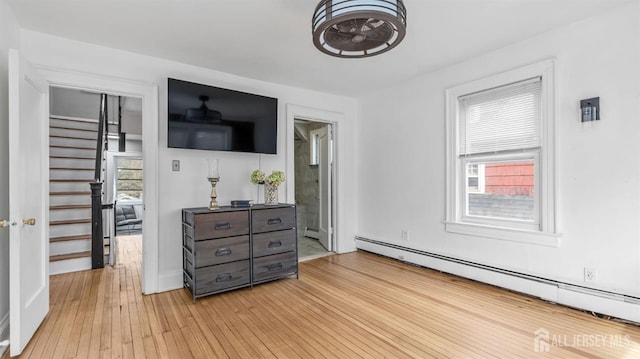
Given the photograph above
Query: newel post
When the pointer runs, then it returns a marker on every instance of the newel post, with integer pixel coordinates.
(97, 234)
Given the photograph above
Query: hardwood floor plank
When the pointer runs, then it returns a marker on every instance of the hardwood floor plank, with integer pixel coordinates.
(125, 320)
(281, 335)
(315, 327)
(329, 317)
(91, 326)
(105, 305)
(397, 321)
(127, 350)
(183, 349)
(267, 328)
(343, 306)
(134, 316)
(343, 311)
(227, 339)
(116, 309)
(161, 348)
(37, 344)
(229, 311)
(201, 319)
(198, 345)
(84, 313)
(68, 311)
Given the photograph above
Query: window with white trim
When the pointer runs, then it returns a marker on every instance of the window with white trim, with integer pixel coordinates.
(500, 156)
(129, 177)
(475, 178)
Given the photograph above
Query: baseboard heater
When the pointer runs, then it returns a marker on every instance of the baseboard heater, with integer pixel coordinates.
(561, 285)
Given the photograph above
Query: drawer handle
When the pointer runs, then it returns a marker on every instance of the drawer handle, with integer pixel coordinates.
(224, 277)
(223, 252)
(225, 226)
(274, 267)
(271, 221)
(274, 244)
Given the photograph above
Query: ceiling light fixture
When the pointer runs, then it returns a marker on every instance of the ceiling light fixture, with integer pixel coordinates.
(358, 28)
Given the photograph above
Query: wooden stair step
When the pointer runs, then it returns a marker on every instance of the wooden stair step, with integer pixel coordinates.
(74, 138)
(62, 257)
(70, 238)
(71, 169)
(74, 120)
(72, 147)
(71, 180)
(70, 193)
(75, 157)
(69, 221)
(74, 129)
(70, 206)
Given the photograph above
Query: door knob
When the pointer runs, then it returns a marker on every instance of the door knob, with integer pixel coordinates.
(30, 221)
(6, 223)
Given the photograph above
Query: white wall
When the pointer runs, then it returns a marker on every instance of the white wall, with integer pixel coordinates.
(9, 38)
(598, 167)
(189, 187)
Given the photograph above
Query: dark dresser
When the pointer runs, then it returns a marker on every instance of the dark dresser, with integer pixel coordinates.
(232, 248)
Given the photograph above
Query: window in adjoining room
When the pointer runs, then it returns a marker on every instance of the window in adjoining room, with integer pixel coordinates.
(500, 156)
(129, 178)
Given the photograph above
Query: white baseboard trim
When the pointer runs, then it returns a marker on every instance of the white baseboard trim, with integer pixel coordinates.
(4, 331)
(170, 281)
(603, 302)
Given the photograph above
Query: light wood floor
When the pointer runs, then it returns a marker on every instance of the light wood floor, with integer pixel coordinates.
(343, 306)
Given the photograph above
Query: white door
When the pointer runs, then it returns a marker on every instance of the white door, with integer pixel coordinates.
(28, 201)
(324, 183)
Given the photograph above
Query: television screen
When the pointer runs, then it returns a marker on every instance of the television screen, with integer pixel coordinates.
(211, 118)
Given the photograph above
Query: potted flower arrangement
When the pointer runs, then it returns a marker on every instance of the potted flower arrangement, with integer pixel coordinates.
(270, 182)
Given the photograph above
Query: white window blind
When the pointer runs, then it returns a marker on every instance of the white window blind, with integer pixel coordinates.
(500, 119)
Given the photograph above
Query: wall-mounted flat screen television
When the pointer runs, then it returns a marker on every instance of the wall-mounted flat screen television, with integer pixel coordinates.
(204, 117)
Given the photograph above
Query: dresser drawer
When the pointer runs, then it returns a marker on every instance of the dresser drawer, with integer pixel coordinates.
(273, 219)
(269, 243)
(274, 266)
(221, 224)
(221, 250)
(214, 278)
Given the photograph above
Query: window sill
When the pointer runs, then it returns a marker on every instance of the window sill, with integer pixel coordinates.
(508, 234)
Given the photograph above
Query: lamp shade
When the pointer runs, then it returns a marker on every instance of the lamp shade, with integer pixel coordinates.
(213, 168)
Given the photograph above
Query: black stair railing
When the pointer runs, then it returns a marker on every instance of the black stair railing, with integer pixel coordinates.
(97, 234)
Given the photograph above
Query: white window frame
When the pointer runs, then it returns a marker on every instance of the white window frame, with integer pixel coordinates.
(544, 230)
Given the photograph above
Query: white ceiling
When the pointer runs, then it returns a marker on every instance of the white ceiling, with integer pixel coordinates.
(270, 40)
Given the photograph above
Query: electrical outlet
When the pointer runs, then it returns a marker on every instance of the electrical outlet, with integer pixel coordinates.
(589, 274)
(405, 235)
(175, 165)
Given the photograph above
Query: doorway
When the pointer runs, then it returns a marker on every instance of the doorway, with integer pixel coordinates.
(313, 165)
(76, 112)
(125, 176)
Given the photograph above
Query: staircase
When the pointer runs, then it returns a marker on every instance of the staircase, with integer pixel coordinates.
(72, 155)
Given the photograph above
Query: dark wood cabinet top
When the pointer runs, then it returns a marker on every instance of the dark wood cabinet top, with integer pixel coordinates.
(204, 210)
